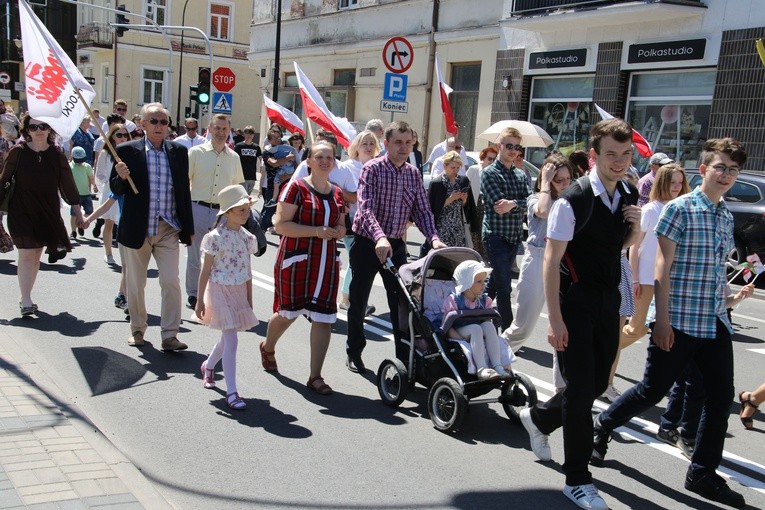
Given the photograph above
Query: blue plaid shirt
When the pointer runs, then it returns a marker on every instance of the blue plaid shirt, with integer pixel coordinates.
(161, 195)
(498, 182)
(703, 232)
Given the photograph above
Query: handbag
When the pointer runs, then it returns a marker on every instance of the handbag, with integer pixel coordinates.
(8, 193)
(254, 228)
(6, 243)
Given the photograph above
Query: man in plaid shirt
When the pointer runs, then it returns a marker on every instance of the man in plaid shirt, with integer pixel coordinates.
(695, 233)
(504, 189)
(390, 192)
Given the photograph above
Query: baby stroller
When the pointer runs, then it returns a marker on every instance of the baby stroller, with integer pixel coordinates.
(435, 361)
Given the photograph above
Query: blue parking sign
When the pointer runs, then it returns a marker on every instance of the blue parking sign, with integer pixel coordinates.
(395, 87)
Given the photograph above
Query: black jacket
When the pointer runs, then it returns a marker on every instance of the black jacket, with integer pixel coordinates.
(437, 197)
(134, 218)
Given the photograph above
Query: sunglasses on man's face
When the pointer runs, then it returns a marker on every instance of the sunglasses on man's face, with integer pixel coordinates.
(121, 109)
(191, 128)
(42, 127)
(154, 122)
(513, 147)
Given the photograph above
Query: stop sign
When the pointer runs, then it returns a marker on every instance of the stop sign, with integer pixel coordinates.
(223, 79)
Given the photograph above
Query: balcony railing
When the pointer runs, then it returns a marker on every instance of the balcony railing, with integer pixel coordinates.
(95, 34)
(536, 7)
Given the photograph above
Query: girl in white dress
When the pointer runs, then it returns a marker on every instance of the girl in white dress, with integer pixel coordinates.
(117, 134)
(225, 282)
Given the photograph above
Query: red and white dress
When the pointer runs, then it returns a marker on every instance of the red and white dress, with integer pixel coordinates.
(307, 269)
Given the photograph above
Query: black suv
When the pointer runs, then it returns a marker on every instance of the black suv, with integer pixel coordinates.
(746, 200)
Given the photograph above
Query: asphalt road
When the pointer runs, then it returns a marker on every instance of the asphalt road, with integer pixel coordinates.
(294, 448)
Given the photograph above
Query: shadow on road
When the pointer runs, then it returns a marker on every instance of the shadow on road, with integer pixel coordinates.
(64, 323)
(106, 370)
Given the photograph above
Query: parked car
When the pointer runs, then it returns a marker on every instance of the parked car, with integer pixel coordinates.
(746, 200)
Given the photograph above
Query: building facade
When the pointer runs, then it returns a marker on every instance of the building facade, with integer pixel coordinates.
(147, 64)
(680, 71)
(339, 45)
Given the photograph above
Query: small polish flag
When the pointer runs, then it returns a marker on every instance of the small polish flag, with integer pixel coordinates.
(446, 107)
(282, 116)
(316, 110)
(642, 145)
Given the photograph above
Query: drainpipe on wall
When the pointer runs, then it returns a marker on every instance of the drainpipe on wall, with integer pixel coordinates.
(429, 81)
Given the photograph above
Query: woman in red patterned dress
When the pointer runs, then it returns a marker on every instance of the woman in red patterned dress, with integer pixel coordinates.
(310, 219)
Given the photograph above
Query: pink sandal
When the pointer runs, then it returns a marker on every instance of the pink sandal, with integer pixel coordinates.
(208, 376)
(234, 401)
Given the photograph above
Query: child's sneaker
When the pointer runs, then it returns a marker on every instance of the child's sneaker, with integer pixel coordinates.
(120, 301)
(500, 370)
(486, 373)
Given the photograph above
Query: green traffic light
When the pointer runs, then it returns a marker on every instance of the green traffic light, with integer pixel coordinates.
(203, 97)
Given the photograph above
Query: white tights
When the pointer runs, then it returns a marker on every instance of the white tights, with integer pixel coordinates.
(226, 349)
(483, 340)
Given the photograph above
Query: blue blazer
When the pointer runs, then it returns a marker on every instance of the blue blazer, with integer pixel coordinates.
(134, 218)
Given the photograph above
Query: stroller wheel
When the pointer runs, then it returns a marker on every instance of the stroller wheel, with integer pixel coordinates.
(447, 405)
(392, 382)
(518, 393)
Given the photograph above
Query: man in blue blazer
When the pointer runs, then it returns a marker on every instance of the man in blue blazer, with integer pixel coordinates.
(153, 221)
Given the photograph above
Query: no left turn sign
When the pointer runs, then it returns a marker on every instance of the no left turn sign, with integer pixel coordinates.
(398, 55)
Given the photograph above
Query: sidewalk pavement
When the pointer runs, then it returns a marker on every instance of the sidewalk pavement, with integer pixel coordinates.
(51, 456)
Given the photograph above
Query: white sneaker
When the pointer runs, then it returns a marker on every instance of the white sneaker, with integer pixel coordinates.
(486, 373)
(500, 370)
(539, 444)
(109, 260)
(611, 393)
(585, 496)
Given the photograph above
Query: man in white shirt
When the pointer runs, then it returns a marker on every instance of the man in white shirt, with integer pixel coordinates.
(191, 138)
(120, 108)
(437, 161)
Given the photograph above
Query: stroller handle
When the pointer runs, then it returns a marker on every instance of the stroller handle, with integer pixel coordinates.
(389, 265)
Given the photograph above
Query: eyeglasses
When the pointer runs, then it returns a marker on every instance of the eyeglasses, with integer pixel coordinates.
(721, 169)
(513, 147)
(191, 128)
(121, 109)
(120, 135)
(249, 132)
(34, 127)
(154, 122)
(490, 158)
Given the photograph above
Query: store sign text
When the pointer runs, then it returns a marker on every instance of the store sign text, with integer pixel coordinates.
(557, 59)
(667, 51)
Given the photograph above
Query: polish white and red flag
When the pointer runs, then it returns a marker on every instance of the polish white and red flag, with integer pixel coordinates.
(51, 78)
(446, 106)
(282, 116)
(641, 144)
(316, 110)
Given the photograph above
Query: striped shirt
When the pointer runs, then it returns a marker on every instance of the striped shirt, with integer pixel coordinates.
(388, 197)
(161, 194)
(703, 232)
(499, 182)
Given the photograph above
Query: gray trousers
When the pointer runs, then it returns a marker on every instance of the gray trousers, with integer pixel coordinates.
(204, 221)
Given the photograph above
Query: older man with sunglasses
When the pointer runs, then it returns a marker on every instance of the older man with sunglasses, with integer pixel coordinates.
(154, 221)
(504, 189)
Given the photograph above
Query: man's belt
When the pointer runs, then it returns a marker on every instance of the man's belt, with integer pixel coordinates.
(207, 204)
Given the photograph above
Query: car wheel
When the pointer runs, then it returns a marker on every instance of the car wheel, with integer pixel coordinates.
(736, 256)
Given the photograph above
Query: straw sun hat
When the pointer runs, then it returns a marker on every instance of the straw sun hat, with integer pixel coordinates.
(232, 196)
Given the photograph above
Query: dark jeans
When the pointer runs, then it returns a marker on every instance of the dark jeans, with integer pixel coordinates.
(686, 400)
(714, 359)
(365, 266)
(592, 320)
(501, 254)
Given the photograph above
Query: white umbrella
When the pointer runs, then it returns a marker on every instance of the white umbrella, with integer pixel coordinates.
(531, 135)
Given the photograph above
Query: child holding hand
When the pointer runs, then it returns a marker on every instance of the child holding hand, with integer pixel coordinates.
(470, 277)
(225, 282)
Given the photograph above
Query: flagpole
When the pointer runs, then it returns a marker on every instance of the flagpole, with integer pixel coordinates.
(44, 35)
(310, 130)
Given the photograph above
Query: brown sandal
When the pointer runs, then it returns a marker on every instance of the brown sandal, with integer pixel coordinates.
(268, 359)
(748, 421)
(318, 385)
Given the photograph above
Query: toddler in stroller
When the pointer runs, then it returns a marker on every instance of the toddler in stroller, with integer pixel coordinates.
(485, 345)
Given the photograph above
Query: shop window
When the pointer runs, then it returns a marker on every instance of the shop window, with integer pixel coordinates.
(153, 86)
(220, 17)
(672, 110)
(466, 80)
(561, 106)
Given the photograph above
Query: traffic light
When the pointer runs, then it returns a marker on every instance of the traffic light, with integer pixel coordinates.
(122, 20)
(203, 85)
(193, 94)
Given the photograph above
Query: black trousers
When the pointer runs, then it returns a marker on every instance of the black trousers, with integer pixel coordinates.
(365, 266)
(592, 319)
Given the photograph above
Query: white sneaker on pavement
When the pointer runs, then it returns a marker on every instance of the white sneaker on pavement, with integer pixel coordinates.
(611, 393)
(539, 444)
(585, 496)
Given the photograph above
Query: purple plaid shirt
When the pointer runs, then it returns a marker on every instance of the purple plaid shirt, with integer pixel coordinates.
(388, 197)
(161, 195)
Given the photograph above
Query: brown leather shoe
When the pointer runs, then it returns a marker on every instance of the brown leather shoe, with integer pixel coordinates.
(173, 344)
(136, 339)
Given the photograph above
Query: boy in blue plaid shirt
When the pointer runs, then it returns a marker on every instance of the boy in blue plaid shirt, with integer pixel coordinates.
(695, 233)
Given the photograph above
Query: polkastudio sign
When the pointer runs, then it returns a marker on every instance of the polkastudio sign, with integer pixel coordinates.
(558, 59)
(670, 51)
